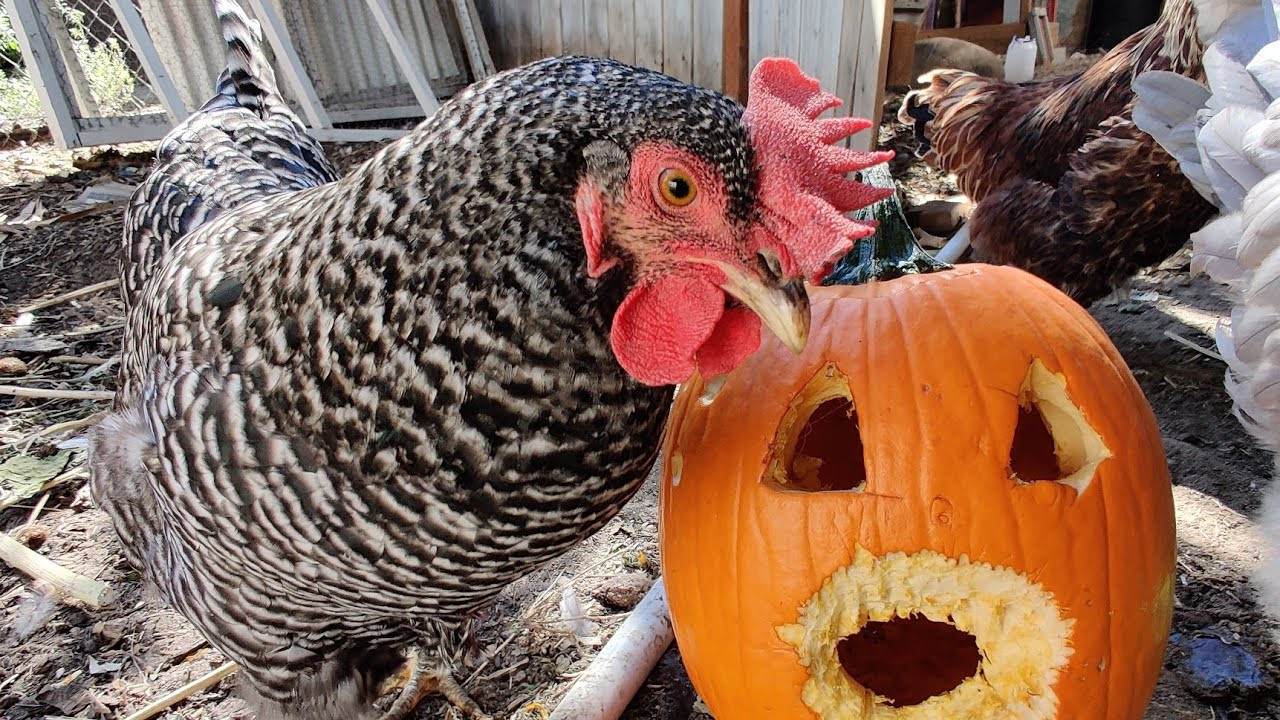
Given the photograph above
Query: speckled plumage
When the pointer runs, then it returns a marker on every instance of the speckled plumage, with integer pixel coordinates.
(1067, 187)
(352, 411)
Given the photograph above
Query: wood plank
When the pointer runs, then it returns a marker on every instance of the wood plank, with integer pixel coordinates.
(786, 34)
(473, 37)
(708, 44)
(39, 57)
(849, 55)
(736, 49)
(573, 26)
(992, 37)
(290, 64)
(902, 54)
(677, 39)
(622, 31)
(357, 134)
(552, 42)
(873, 60)
(885, 19)
(1013, 11)
(405, 56)
(75, 75)
(649, 33)
(152, 65)
(597, 22)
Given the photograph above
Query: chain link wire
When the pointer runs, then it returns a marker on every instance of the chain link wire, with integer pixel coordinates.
(94, 67)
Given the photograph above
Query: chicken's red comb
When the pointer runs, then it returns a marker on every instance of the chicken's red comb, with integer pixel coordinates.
(804, 189)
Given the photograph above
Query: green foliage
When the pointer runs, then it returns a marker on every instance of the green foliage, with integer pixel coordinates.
(105, 64)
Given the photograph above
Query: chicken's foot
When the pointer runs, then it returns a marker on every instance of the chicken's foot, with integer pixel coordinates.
(423, 679)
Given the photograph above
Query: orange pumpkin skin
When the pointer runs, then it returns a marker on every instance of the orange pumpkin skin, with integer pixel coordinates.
(935, 364)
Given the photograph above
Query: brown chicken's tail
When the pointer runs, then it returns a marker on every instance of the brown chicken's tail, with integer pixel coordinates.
(920, 107)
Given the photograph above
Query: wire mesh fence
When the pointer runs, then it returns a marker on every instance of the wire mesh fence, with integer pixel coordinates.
(20, 113)
(95, 68)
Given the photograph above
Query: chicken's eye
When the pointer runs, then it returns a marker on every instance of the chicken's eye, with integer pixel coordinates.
(676, 187)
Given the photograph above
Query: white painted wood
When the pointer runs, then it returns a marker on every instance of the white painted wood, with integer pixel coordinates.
(868, 81)
(157, 76)
(677, 34)
(356, 134)
(39, 57)
(71, 63)
(525, 31)
(288, 63)
(622, 30)
(1012, 10)
(708, 45)
(649, 33)
(786, 29)
(404, 55)
(596, 17)
(473, 37)
(849, 54)
(684, 38)
(114, 130)
(573, 27)
(552, 42)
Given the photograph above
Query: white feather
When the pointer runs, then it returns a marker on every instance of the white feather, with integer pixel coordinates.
(1262, 145)
(1221, 143)
(1265, 69)
(1259, 223)
(1166, 108)
(1213, 250)
(1226, 67)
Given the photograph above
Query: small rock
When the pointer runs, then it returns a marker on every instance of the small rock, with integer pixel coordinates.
(10, 366)
(622, 592)
(1213, 668)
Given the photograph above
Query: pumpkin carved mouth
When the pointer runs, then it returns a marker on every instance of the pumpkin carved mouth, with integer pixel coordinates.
(909, 660)
(910, 637)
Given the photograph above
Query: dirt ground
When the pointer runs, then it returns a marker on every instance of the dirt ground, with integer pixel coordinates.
(61, 659)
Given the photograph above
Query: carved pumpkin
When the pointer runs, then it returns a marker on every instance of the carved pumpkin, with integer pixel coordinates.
(953, 504)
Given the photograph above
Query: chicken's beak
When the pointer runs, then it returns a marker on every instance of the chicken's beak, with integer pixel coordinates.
(781, 304)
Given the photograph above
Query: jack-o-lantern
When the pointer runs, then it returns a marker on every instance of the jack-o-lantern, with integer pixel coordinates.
(953, 504)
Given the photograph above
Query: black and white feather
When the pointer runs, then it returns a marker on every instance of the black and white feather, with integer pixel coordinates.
(353, 410)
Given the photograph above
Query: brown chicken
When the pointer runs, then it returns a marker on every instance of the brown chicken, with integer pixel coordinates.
(1067, 187)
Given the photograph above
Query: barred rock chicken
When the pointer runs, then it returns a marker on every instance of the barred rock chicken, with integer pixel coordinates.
(351, 412)
(1226, 138)
(1067, 187)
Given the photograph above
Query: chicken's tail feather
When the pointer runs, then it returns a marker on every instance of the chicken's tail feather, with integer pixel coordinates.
(248, 79)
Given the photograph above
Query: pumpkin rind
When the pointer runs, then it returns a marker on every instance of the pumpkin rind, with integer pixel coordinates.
(935, 365)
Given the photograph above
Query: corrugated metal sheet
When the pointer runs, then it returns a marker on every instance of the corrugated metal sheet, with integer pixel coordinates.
(345, 55)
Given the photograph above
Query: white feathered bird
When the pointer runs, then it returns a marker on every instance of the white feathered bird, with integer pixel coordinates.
(1226, 138)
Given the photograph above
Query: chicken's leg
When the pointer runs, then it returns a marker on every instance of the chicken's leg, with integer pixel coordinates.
(424, 679)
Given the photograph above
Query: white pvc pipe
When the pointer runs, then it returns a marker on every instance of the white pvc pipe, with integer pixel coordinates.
(955, 247)
(604, 689)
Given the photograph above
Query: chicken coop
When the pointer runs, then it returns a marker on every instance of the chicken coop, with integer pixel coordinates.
(842, 43)
(110, 71)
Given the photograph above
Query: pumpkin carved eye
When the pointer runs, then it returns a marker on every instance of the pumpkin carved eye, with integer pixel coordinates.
(1053, 441)
(819, 446)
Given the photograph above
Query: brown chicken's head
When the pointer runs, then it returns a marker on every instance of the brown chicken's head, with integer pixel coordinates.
(711, 260)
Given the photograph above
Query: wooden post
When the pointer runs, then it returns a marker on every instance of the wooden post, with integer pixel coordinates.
(737, 49)
(40, 59)
(473, 37)
(902, 54)
(404, 56)
(152, 65)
